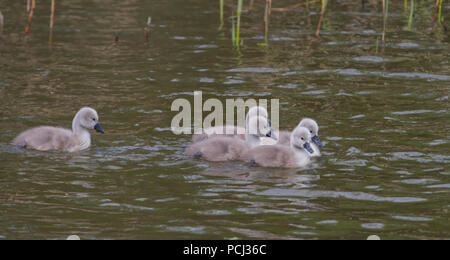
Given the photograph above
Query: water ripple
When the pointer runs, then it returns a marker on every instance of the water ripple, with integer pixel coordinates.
(419, 157)
(357, 72)
(409, 218)
(256, 70)
(336, 194)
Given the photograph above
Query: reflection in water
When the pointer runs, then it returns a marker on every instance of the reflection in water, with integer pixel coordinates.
(382, 117)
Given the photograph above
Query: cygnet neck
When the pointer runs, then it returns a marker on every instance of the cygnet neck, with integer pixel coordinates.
(78, 129)
(300, 153)
(252, 140)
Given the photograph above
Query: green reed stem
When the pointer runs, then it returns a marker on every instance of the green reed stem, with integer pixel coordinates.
(238, 25)
(322, 12)
(221, 15)
(377, 45)
(266, 27)
(386, 16)
(440, 12)
(233, 31)
(411, 15)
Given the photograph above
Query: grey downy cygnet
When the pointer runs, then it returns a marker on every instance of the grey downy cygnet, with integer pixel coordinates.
(46, 138)
(225, 148)
(296, 155)
(284, 137)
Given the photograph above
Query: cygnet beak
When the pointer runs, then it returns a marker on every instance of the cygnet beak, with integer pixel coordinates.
(317, 141)
(272, 135)
(307, 146)
(99, 128)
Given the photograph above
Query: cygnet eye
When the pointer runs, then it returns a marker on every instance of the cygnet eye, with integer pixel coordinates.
(303, 139)
(93, 119)
(310, 131)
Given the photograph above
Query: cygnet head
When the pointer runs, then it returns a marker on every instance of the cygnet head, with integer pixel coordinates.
(259, 126)
(87, 118)
(258, 111)
(301, 138)
(313, 128)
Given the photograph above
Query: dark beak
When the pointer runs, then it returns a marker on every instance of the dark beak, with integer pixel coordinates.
(99, 128)
(317, 141)
(307, 146)
(272, 135)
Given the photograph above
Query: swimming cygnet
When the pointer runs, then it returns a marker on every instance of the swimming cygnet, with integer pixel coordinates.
(223, 148)
(313, 128)
(284, 137)
(231, 130)
(294, 156)
(46, 138)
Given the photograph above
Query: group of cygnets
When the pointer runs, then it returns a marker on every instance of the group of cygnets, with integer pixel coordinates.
(259, 145)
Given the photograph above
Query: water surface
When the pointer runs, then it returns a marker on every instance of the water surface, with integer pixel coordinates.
(384, 119)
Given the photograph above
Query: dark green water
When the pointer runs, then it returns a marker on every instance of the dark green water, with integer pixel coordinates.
(384, 120)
